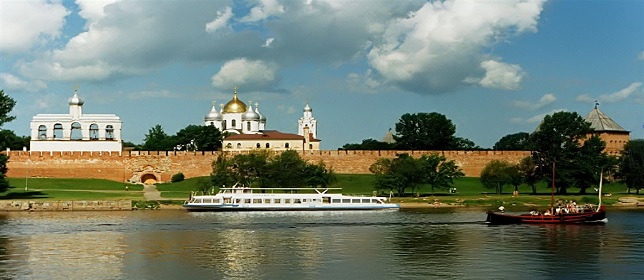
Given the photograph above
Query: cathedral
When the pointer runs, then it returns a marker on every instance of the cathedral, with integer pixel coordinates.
(246, 128)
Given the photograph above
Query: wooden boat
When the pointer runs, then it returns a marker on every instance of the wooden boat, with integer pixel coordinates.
(284, 199)
(559, 215)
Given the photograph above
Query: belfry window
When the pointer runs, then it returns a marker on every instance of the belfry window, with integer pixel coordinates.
(58, 131)
(42, 132)
(76, 134)
(109, 132)
(93, 132)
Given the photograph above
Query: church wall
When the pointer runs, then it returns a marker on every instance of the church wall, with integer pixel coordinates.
(132, 165)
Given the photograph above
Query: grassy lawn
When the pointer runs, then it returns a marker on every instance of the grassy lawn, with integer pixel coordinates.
(469, 191)
(71, 184)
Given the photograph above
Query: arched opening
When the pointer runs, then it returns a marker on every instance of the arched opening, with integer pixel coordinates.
(109, 132)
(248, 126)
(76, 134)
(148, 179)
(42, 132)
(287, 145)
(233, 123)
(238, 145)
(93, 132)
(224, 125)
(58, 131)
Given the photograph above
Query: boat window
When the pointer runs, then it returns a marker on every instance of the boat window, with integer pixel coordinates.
(226, 200)
(287, 200)
(267, 200)
(366, 200)
(257, 200)
(355, 200)
(346, 200)
(216, 201)
(335, 200)
(277, 200)
(247, 200)
(238, 200)
(200, 201)
(296, 200)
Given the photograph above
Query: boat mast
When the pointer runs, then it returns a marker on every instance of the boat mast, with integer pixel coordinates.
(601, 181)
(552, 196)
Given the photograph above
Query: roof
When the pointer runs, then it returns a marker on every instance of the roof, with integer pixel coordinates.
(601, 122)
(270, 135)
(389, 138)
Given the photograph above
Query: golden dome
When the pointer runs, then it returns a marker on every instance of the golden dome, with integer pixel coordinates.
(235, 105)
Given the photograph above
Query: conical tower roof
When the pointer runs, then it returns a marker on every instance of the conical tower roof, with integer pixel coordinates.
(601, 122)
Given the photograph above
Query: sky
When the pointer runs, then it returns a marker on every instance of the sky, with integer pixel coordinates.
(493, 67)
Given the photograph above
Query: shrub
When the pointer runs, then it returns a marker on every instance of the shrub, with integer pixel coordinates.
(177, 177)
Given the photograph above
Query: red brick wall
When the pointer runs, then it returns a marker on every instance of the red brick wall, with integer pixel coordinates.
(133, 164)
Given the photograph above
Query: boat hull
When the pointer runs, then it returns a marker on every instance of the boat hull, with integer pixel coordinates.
(496, 218)
(203, 208)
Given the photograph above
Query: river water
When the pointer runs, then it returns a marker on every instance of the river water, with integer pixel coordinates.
(406, 244)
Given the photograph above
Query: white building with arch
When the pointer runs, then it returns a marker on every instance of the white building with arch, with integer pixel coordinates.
(236, 118)
(76, 131)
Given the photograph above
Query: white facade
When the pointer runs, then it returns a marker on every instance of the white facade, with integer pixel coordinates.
(76, 131)
(236, 118)
(307, 120)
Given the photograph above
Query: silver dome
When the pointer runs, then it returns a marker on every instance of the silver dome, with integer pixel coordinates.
(75, 100)
(262, 118)
(214, 115)
(250, 115)
(307, 108)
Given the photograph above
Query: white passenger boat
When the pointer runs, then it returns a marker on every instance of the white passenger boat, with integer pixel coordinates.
(284, 199)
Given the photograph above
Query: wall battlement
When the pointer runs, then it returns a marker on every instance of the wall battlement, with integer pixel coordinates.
(134, 166)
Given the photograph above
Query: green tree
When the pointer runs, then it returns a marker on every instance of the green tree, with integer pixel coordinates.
(318, 175)
(496, 174)
(199, 137)
(222, 172)
(8, 139)
(559, 138)
(424, 131)
(386, 178)
(439, 172)
(459, 143)
(251, 170)
(513, 142)
(369, 144)
(590, 161)
(6, 105)
(158, 140)
(287, 170)
(528, 171)
(632, 164)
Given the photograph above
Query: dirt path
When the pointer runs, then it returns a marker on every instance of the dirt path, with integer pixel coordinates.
(150, 192)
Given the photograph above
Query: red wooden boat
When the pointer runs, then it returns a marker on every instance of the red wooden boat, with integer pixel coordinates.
(554, 216)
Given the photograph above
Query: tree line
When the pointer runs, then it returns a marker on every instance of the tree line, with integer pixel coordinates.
(266, 169)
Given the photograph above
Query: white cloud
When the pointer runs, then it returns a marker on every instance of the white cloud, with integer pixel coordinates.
(26, 24)
(500, 75)
(546, 99)
(249, 74)
(11, 82)
(620, 95)
(586, 98)
(614, 97)
(93, 10)
(221, 21)
(268, 42)
(438, 46)
(534, 119)
(264, 10)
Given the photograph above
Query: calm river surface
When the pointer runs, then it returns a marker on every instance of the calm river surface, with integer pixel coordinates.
(406, 244)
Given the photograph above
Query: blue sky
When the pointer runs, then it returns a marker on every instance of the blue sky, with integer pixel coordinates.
(493, 67)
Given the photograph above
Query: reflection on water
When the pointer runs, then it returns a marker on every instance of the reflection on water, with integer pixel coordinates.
(420, 244)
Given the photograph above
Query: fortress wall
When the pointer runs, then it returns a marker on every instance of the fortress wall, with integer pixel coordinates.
(132, 165)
